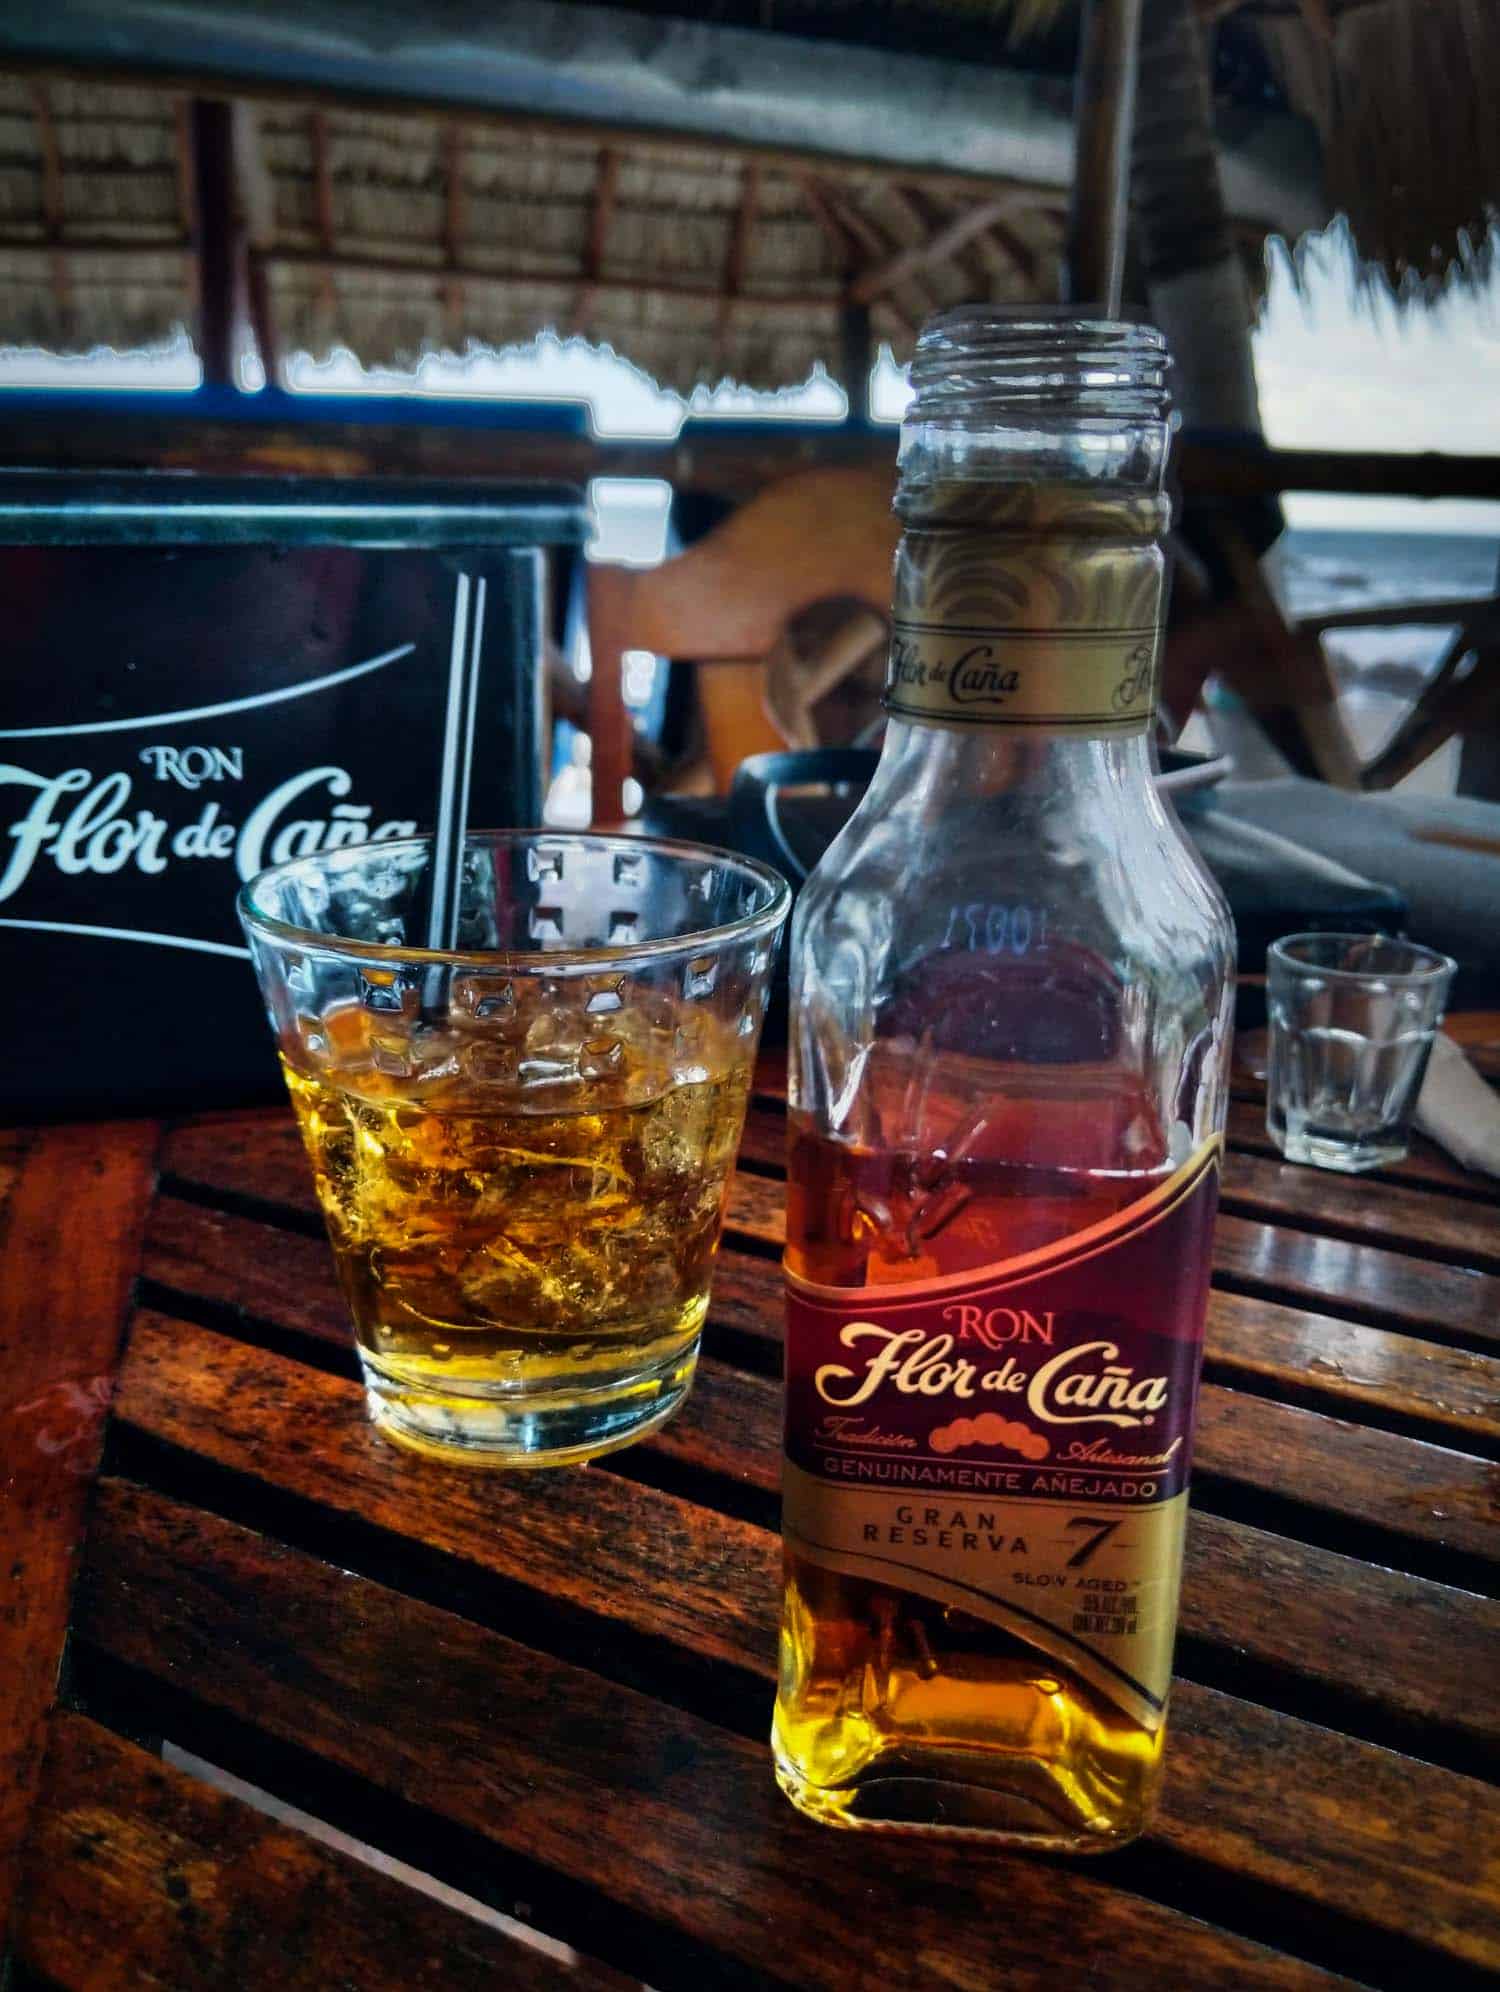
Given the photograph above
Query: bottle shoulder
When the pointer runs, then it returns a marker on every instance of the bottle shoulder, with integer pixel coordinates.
(1044, 954)
(985, 880)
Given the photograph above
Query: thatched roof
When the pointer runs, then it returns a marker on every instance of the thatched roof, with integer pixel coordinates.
(393, 234)
(394, 231)
(397, 233)
(94, 219)
(693, 263)
(1402, 94)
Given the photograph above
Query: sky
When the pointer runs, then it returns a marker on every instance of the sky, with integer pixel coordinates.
(1342, 368)
(1338, 367)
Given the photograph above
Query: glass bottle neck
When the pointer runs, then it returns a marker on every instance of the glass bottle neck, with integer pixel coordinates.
(1028, 582)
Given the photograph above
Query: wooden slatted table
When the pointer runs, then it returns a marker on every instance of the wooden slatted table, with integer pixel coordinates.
(330, 1715)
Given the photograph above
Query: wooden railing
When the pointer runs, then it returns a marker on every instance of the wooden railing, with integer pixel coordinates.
(287, 433)
(1278, 667)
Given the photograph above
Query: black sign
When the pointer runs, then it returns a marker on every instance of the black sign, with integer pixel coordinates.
(204, 679)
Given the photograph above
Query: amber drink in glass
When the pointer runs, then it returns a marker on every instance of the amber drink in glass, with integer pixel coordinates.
(521, 1147)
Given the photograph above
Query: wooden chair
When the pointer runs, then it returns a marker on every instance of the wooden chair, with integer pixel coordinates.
(726, 602)
(1449, 703)
(1279, 667)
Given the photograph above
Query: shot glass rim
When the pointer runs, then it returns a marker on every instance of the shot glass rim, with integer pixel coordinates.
(1434, 966)
(556, 961)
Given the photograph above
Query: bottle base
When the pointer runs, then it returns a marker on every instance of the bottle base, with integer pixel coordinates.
(1350, 1157)
(902, 1801)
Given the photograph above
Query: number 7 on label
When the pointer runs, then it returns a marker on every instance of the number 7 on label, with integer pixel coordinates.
(1099, 1532)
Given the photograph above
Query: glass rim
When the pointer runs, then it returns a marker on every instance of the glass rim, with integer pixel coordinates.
(552, 961)
(1433, 964)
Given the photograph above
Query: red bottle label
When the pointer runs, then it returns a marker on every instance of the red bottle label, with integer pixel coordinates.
(1016, 1440)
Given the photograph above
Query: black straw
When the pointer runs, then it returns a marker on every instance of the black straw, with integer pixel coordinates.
(452, 817)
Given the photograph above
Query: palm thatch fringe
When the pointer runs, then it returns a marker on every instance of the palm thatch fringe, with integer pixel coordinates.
(1402, 95)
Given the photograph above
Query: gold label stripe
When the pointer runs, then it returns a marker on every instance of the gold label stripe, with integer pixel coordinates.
(1019, 632)
(1094, 722)
(962, 673)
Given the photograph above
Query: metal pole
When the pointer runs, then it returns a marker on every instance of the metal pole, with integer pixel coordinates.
(211, 124)
(1103, 115)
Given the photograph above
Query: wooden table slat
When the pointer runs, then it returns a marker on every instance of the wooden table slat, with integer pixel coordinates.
(261, 1157)
(1364, 1209)
(284, 1278)
(68, 1253)
(697, 1580)
(138, 1876)
(1436, 1498)
(1350, 1368)
(1427, 1168)
(1365, 1281)
(1463, 1233)
(596, 1778)
(565, 1695)
(1375, 1481)
(1406, 1650)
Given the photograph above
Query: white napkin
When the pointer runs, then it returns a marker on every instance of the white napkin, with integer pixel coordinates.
(1458, 1110)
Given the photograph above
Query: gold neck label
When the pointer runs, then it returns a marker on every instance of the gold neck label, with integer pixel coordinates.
(1024, 629)
(1097, 681)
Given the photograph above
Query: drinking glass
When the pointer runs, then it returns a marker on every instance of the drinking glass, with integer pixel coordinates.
(1352, 1020)
(521, 1145)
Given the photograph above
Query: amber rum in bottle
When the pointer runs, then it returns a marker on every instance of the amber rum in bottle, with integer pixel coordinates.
(1011, 986)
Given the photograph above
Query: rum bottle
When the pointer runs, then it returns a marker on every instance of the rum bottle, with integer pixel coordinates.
(1011, 990)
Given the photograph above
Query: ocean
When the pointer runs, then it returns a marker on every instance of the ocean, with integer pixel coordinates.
(1323, 570)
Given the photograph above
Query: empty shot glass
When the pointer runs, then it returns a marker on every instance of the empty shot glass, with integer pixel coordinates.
(521, 1146)
(1352, 1020)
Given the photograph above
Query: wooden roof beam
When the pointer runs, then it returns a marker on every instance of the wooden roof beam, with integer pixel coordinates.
(101, 248)
(1004, 244)
(912, 233)
(471, 273)
(875, 244)
(740, 236)
(322, 179)
(975, 260)
(323, 205)
(819, 208)
(453, 228)
(982, 219)
(51, 154)
(744, 229)
(690, 81)
(856, 343)
(182, 151)
(52, 202)
(602, 213)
